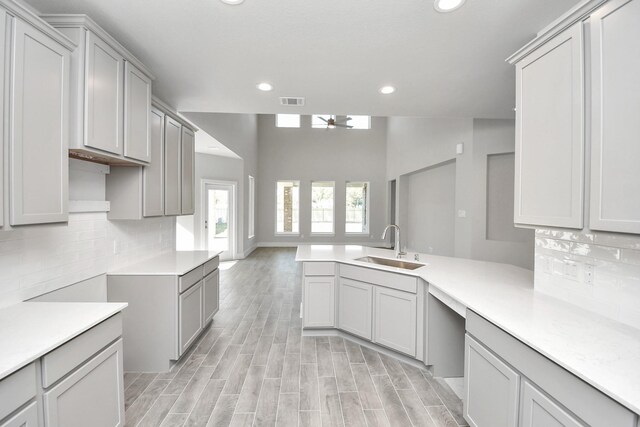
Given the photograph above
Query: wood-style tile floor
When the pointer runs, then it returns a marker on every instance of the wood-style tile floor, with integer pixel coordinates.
(252, 367)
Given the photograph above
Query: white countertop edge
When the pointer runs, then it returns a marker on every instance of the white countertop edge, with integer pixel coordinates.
(116, 308)
(153, 266)
(442, 295)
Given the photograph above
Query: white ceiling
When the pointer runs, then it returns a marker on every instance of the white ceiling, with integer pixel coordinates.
(208, 56)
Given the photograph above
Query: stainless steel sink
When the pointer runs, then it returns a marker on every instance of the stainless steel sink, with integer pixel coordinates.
(397, 263)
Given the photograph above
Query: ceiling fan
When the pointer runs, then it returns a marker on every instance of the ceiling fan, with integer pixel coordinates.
(332, 123)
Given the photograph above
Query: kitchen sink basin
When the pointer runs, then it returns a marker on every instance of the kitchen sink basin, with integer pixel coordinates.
(397, 263)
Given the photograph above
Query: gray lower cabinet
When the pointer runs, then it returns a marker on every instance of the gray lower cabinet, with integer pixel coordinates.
(16, 390)
(491, 388)
(190, 309)
(355, 306)
(508, 383)
(319, 302)
(28, 417)
(540, 411)
(91, 396)
(211, 295)
(395, 319)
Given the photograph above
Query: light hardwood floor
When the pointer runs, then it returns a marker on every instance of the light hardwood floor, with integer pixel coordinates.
(253, 367)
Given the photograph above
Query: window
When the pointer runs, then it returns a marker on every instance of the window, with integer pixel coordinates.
(317, 121)
(322, 201)
(287, 207)
(357, 208)
(288, 120)
(252, 207)
(360, 122)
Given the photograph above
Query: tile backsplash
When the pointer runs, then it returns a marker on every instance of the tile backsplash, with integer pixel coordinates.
(596, 270)
(39, 259)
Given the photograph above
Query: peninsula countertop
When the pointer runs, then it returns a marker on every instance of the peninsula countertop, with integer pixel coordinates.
(29, 330)
(174, 263)
(600, 351)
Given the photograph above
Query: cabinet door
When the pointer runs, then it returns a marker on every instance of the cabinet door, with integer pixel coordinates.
(211, 288)
(39, 164)
(137, 108)
(172, 179)
(319, 302)
(540, 411)
(395, 320)
(549, 133)
(355, 302)
(28, 417)
(187, 171)
(4, 59)
(491, 388)
(615, 134)
(103, 96)
(153, 174)
(190, 316)
(91, 396)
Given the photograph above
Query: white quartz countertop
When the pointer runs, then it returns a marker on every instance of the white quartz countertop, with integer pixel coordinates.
(29, 330)
(602, 352)
(175, 263)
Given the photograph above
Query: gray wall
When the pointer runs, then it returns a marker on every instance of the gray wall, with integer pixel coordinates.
(307, 155)
(417, 144)
(239, 133)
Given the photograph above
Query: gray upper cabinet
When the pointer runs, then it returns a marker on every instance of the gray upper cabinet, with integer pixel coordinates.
(491, 387)
(137, 110)
(549, 174)
(615, 124)
(38, 164)
(153, 175)
(111, 96)
(172, 175)
(104, 85)
(187, 158)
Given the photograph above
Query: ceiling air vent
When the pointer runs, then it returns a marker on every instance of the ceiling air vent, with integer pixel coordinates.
(291, 102)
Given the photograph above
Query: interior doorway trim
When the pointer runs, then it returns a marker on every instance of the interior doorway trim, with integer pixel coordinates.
(233, 247)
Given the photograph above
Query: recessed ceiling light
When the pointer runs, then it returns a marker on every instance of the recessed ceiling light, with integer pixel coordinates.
(387, 90)
(232, 2)
(447, 5)
(265, 87)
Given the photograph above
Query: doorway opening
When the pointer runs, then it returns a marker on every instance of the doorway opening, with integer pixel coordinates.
(219, 217)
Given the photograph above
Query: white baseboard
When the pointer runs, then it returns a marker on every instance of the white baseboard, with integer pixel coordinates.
(296, 244)
(246, 253)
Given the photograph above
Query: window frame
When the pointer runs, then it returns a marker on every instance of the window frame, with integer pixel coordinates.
(367, 206)
(251, 232)
(286, 233)
(288, 127)
(333, 222)
(355, 128)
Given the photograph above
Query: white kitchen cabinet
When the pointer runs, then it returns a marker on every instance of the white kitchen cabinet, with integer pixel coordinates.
(172, 174)
(355, 301)
(137, 110)
(39, 166)
(191, 315)
(211, 297)
(319, 302)
(28, 417)
(549, 169)
(110, 89)
(153, 174)
(395, 319)
(92, 395)
(491, 387)
(615, 128)
(540, 411)
(187, 171)
(104, 86)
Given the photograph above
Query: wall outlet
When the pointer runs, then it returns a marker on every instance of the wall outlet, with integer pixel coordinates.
(460, 148)
(116, 247)
(462, 213)
(588, 274)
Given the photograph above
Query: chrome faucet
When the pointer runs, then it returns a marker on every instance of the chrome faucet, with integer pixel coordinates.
(398, 247)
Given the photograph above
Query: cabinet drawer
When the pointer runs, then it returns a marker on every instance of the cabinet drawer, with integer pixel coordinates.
(91, 396)
(211, 265)
(28, 417)
(16, 389)
(190, 279)
(319, 269)
(67, 357)
(379, 277)
(588, 403)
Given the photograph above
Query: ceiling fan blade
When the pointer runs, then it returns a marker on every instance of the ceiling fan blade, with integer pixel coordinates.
(323, 119)
(347, 119)
(342, 125)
